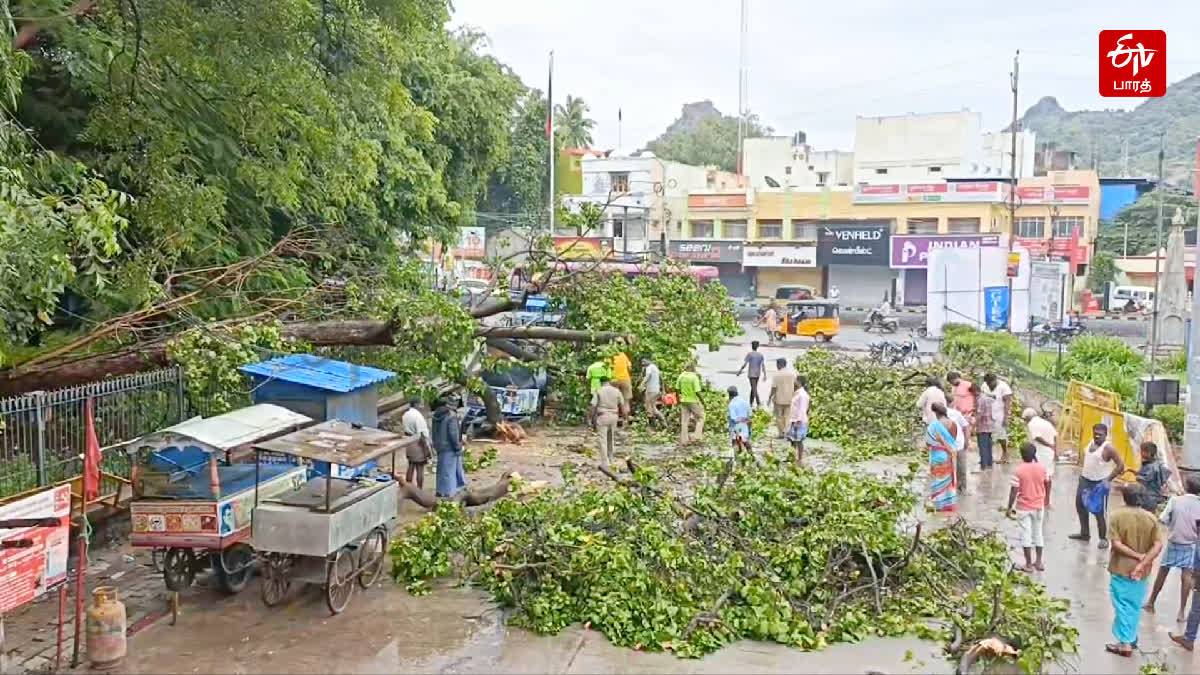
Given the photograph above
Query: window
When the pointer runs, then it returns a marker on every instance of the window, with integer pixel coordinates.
(880, 172)
(1031, 228)
(733, 229)
(962, 225)
(802, 231)
(822, 177)
(702, 229)
(1064, 224)
(618, 182)
(679, 228)
(787, 170)
(770, 229)
(922, 225)
(618, 228)
(935, 169)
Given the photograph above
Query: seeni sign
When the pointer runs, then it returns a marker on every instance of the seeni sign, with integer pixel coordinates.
(706, 250)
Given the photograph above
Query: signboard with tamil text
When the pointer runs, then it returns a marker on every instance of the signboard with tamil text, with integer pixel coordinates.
(854, 245)
(779, 256)
(706, 251)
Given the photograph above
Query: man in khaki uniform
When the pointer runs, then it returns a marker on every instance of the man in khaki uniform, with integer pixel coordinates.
(783, 387)
(608, 408)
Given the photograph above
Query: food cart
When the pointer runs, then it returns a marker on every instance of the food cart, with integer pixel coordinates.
(194, 491)
(334, 530)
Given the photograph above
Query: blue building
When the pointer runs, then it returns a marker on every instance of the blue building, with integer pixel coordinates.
(1117, 193)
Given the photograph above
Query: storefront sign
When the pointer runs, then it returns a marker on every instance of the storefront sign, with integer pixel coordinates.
(706, 251)
(1054, 194)
(973, 191)
(717, 201)
(1066, 249)
(779, 256)
(583, 248)
(471, 243)
(854, 245)
(995, 302)
(911, 251)
(29, 571)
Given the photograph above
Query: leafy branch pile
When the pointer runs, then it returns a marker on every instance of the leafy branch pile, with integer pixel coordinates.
(774, 553)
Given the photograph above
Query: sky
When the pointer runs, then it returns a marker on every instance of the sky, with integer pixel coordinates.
(815, 66)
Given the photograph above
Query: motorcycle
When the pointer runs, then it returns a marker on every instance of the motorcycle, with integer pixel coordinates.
(883, 324)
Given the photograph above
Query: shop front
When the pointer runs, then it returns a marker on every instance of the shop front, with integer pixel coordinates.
(781, 265)
(856, 259)
(910, 255)
(726, 256)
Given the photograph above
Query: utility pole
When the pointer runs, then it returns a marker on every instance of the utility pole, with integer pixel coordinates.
(742, 88)
(1012, 188)
(1157, 260)
(1190, 458)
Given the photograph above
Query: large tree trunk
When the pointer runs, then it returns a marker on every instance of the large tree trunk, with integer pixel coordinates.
(55, 375)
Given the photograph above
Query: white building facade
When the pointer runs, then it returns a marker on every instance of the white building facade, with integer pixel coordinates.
(774, 162)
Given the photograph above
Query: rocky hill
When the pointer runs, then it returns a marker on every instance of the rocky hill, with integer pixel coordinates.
(1102, 134)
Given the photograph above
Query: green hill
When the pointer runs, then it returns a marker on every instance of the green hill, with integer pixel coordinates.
(1103, 133)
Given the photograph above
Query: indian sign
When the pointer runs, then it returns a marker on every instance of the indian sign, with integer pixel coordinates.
(911, 251)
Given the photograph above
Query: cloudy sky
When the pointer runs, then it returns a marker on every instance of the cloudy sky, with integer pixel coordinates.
(814, 66)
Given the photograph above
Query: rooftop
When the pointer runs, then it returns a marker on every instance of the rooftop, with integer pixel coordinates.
(319, 372)
(338, 442)
(227, 431)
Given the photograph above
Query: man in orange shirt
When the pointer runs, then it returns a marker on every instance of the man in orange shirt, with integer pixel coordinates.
(622, 373)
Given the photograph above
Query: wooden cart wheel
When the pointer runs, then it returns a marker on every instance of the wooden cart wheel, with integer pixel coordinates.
(339, 580)
(233, 567)
(179, 569)
(276, 581)
(370, 557)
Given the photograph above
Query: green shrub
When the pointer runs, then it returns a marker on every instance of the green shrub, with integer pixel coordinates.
(1105, 362)
(960, 339)
(1171, 417)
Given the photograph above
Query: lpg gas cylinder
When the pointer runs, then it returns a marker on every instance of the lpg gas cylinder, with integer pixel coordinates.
(105, 628)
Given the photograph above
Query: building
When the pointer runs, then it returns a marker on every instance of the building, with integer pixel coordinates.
(781, 162)
(1117, 193)
(711, 228)
(1140, 270)
(931, 147)
(638, 194)
(1058, 216)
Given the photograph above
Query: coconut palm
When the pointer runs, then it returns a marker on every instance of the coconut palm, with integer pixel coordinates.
(571, 120)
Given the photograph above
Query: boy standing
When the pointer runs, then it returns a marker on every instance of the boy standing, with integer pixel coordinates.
(1181, 515)
(1031, 494)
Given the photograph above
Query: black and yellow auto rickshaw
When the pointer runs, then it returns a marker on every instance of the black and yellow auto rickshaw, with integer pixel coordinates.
(816, 318)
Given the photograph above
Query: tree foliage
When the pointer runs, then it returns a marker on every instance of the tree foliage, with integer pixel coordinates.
(521, 185)
(702, 136)
(572, 121)
(1101, 272)
(1140, 220)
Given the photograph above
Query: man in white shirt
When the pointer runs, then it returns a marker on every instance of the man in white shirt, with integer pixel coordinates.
(999, 390)
(418, 452)
(933, 394)
(1044, 437)
(652, 386)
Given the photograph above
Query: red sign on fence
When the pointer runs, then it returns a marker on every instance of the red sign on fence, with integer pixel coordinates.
(26, 573)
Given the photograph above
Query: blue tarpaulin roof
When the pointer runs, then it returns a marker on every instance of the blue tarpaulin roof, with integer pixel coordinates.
(318, 372)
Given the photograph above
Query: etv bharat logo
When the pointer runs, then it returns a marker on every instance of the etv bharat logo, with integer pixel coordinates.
(1133, 63)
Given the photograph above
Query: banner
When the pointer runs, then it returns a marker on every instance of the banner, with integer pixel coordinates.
(911, 251)
(1046, 290)
(995, 301)
(779, 256)
(854, 245)
(27, 573)
(706, 251)
(583, 248)
(471, 243)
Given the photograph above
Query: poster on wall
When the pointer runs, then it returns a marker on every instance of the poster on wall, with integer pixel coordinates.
(471, 243)
(1047, 285)
(26, 573)
(995, 302)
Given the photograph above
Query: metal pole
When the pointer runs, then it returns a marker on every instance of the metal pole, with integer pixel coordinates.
(1190, 457)
(1157, 261)
(40, 445)
(625, 233)
(550, 125)
(1012, 188)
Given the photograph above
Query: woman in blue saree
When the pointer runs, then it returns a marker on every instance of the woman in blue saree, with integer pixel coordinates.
(939, 440)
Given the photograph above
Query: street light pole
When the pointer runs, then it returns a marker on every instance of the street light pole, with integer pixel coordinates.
(1157, 262)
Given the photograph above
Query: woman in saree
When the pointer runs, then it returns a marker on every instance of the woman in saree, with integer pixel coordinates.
(940, 441)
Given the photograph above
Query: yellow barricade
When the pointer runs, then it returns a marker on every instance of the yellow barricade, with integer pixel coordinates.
(1090, 415)
(1071, 431)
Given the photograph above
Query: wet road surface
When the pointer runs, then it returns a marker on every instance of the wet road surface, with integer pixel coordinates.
(457, 630)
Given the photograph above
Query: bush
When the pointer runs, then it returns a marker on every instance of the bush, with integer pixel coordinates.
(1171, 417)
(961, 340)
(1105, 362)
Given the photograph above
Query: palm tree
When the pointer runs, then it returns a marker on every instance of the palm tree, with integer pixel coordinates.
(571, 120)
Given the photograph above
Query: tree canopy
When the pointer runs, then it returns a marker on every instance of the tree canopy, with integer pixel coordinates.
(702, 136)
(1141, 218)
(571, 119)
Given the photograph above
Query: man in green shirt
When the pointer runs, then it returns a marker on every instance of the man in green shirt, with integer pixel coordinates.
(595, 372)
(688, 386)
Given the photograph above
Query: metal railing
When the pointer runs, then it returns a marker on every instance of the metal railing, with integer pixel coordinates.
(42, 433)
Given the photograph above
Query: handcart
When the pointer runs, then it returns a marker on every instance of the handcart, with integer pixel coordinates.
(194, 491)
(333, 531)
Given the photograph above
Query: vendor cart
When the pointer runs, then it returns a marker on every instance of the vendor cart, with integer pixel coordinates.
(194, 487)
(334, 530)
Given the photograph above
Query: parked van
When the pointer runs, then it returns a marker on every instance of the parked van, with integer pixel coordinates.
(1119, 297)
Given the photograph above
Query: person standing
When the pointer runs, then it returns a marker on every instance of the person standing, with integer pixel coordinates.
(447, 442)
(798, 417)
(1003, 394)
(739, 424)
(1154, 477)
(939, 440)
(753, 367)
(961, 390)
(420, 452)
(961, 442)
(595, 371)
(621, 371)
(985, 415)
(1045, 439)
(783, 387)
(688, 386)
(1030, 492)
(771, 323)
(932, 396)
(1181, 515)
(1101, 464)
(1136, 542)
(607, 410)
(651, 391)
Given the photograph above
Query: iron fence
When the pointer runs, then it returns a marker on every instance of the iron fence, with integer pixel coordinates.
(42, 434)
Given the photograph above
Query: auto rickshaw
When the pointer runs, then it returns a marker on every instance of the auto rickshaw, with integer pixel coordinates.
(816, 318)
